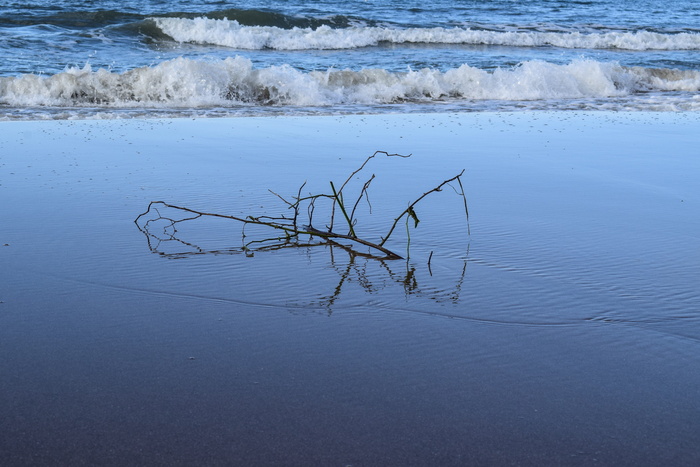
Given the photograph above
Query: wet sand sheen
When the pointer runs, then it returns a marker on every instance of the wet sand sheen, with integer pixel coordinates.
(564, 330)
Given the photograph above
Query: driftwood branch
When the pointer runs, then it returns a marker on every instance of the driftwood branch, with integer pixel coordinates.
(412, 213)
(347, 180)
(289, 225)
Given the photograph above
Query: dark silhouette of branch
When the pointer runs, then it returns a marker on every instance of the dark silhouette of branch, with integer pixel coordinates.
(290, 225)
(412, 213)
(355, 269)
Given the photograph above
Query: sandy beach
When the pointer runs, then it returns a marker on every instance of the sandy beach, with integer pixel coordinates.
(563, 331)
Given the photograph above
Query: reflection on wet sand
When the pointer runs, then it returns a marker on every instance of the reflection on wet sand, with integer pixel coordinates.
(370, 272)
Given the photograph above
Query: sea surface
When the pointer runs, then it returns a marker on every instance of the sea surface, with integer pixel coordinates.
(109, 59)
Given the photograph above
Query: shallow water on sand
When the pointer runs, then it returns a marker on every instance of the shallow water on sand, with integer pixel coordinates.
(563, 330)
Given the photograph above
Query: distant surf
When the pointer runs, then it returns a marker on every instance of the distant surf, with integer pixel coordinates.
(230, 33)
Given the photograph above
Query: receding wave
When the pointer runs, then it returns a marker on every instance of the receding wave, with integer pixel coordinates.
(234, 81)
(231, 33)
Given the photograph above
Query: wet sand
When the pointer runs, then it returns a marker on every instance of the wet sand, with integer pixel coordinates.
(564, 330)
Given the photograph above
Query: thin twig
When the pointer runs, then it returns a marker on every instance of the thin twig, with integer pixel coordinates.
(342, 187)
(410, 206)
(330, 235)
(365, 187)
(339, 200)
(289, 225)
(466, 209)
(306, 230)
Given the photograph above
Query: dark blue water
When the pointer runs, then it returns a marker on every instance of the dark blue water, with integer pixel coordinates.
(63, 59)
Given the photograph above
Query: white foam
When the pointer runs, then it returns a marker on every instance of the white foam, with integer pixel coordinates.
(228, 33)
(234, 81)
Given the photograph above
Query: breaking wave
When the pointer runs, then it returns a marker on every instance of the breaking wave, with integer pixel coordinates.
(231, 33)
(234, 81)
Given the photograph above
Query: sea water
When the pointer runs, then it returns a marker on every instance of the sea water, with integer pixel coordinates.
(106, 59)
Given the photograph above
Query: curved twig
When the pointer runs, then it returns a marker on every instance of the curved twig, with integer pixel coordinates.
(289, 224)
(409, 210)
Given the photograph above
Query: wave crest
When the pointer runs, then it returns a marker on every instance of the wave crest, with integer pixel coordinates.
(230, 33)
(234, 81)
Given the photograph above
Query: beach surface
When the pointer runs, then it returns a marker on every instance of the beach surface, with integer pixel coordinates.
(563, 330)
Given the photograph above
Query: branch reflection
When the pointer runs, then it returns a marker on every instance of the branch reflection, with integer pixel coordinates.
(354, 267)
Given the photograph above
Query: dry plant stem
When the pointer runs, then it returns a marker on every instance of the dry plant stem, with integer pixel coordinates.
(291, 228)
(331, 235)
(307, 230)
(198, 213)
(409, 209)
(365, 187)
(408, 240)
(295, 205)
(339, 200)
(464, 197)
(347, 180)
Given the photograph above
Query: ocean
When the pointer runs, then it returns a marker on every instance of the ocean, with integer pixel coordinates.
(71, 59)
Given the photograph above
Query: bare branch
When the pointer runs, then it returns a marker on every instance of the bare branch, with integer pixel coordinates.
(365, 187)
(330, 235)
(342, 187)
(410, 210)
(339, 200)
(289, 225)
